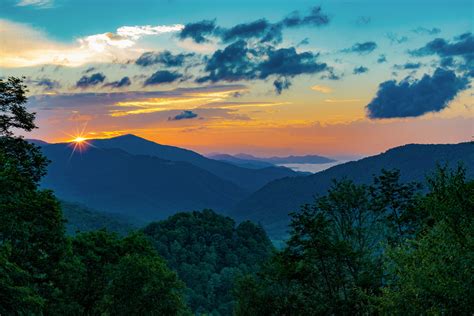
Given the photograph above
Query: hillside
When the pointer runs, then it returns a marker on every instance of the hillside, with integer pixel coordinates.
(80, 218)
(248, 179)
(271, 204)
(143, 187)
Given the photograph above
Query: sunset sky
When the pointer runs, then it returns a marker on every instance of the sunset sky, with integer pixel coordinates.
(260, 77)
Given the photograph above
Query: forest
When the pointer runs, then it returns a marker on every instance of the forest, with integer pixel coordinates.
(388, 247)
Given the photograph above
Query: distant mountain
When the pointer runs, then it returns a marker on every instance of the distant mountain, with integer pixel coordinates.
(143, 187)
(246, 163)
(80, 218)
(310, 159)
(37, 142)
(271, 204)
(249, 180)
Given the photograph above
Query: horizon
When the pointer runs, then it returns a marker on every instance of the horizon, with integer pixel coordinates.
(326, 78)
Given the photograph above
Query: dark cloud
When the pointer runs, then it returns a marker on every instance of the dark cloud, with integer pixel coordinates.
(233, 63)
(360, 70)
(90, 69)
(162, 76)
(382, 59)
(461, 48)
(408, 66)
(425, 31)
(315, 18)
(165, 58)
(124, 82)
(185, 115)
(363, 20)
(258, 29)
(361, 48)
(198, 31)
(281, 84)
(410, 98)
(305, 41)
(89, 81)
(288, 62)
(238, 62)
(48, 84)
(395, 39)
(462, 45)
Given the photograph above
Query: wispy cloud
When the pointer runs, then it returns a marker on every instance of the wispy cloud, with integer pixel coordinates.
(322, 89)
(43, 4)
(23, 45)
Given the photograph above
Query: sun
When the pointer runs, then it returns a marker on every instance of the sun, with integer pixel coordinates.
(79, 139)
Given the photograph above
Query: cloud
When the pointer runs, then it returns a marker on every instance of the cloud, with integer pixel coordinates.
(258, 29)
(233, 63)
(382, 59)
(426, 31)
(408, 66)
(281, 84)
(361, 48)
(162, 76)
(47, 84)
(395, 39)
(90, 81)
(315, 18)
(261, 29)
(124, 82)
(462, 46)
(165, 58)
(185, 115)
(239, 62)
(411, 98)
(322, 89)
(360, 70)
(24, 46)
(198, 31)
(461, 49)
(43, 4)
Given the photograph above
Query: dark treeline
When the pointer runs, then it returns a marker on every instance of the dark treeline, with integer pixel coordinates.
(384, 248)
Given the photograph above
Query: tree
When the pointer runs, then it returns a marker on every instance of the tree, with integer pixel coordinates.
(328, 265)
(31, 223)
(433, 273)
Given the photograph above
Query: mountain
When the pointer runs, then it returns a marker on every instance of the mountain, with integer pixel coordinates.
(143, 187)
(249, 180)
(245, 163)
(80, 218)
(37, 142)
(310, 159)
(271, 204)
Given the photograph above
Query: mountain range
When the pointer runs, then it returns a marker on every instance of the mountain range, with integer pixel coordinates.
(253, 162)
(271, 204)
(147, 181)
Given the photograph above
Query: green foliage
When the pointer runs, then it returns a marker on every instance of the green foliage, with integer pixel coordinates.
(433, 273)
(80, 218)
(209, 252)
(368, 250)
(114, 274)
(42, 272)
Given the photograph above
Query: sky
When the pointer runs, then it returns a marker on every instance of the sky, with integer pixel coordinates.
(260, 77)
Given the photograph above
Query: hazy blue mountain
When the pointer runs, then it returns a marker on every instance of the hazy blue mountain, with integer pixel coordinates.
(248, 179)
(80, 218)
(311, 159)
(37, 142)
(144, 187)
(246, 163)
(271, 204)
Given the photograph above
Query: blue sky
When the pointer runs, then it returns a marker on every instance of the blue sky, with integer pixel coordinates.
(72, 49)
